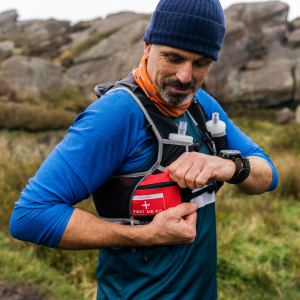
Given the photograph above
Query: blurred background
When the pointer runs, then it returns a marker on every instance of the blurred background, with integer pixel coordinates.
(52, 54)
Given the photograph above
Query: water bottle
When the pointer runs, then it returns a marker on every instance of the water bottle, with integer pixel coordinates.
(181, 136)
(216, 127)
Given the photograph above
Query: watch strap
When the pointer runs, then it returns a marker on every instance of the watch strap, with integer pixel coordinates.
(241, 174)
(238, 167)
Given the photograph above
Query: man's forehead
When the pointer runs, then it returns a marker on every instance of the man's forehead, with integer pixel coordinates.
(184, 53)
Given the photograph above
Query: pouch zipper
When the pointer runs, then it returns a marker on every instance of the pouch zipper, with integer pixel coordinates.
(157, 185)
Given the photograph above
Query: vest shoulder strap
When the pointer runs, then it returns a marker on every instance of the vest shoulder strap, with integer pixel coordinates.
(198, 113)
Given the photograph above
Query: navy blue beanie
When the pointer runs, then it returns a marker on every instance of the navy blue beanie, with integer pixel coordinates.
(193, 25)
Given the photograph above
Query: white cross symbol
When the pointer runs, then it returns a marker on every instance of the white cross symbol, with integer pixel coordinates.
(146, 205)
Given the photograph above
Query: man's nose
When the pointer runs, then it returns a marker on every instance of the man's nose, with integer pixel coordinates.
(184, 73)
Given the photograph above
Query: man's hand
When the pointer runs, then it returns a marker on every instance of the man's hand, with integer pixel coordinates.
(177, 225)
(195, 170)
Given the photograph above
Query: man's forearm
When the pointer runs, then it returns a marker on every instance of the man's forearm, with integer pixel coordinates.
(85, 231)
(260, 177)
(176, 225)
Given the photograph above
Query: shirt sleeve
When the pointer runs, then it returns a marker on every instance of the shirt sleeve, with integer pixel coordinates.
(96, 146)
(236, 139)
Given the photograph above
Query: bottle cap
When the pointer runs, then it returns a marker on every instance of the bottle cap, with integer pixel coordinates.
(216, 127)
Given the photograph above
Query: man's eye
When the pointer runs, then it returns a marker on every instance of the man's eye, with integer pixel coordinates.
(202, 64)
(174, 59)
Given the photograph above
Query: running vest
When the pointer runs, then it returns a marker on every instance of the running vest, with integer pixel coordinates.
(136, 198)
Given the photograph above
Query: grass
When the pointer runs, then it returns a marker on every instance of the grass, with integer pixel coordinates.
(258, 236)
(51, 112)
(21, 154)
(33, 117)
(68, 99)
(264, 129)
(258, 247)
(25, 267)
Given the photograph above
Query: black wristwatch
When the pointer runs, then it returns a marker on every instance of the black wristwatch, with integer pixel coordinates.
(242, 165)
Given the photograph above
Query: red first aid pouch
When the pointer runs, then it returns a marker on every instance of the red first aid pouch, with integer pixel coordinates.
(155, 194)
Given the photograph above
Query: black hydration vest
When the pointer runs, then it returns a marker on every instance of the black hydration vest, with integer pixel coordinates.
(114, 198)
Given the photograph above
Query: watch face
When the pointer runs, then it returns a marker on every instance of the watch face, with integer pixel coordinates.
(231, 154)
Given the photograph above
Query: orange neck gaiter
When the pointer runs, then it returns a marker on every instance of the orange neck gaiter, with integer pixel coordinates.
(143, 80)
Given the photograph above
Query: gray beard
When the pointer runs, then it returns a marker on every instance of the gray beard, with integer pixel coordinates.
(175, 99)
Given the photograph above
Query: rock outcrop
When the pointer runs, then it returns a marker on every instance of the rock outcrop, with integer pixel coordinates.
(258, 59)
(111, 59)
(26, 78)
(41, 28)
(298, 114)
(259, 64)
(117, 20)
(285, 116)
(6, 49)
(8, 21)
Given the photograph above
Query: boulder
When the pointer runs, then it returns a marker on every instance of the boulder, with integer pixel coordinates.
(298, 114)
(295, 24)
(41, 28)
(293, 38)
(285, 116)
(256, 88)
(116, 43)
(297, 82)
(121, 19)
(265, 17)
(111, 59)
(255, 68)
(6, 49)
(8, 21)
(27, 78)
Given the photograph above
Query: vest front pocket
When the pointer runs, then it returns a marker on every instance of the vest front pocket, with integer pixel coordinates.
(155, 194)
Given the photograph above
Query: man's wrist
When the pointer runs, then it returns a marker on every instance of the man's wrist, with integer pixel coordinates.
(142, 235)
(243, 172)
(230, 169)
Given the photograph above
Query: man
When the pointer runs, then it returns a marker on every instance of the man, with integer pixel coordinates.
(111, 139)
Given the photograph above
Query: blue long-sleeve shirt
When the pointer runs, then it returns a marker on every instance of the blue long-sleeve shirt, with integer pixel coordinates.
(101, 142)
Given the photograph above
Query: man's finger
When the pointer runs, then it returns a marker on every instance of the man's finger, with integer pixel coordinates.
(184, 209)
(193, 173)
(175, 165)
(191, 219)
(203, 178)
(181, 172)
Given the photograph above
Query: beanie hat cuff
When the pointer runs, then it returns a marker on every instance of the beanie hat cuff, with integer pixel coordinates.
(187, 32)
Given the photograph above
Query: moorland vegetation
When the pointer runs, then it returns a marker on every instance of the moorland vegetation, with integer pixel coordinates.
(258, 236)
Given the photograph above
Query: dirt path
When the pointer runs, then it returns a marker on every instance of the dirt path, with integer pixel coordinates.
(11, 291)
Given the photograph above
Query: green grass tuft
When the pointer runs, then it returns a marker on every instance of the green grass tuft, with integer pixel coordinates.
(51, 112)
(24, 267)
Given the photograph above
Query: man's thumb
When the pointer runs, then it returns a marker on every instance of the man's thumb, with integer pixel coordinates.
(185, 209)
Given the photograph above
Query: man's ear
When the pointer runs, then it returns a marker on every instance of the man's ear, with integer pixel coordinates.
(147, 48)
